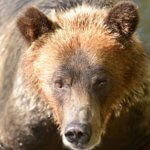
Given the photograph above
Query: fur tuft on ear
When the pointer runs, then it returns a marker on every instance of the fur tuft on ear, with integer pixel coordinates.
(123, 19)
(33, 23)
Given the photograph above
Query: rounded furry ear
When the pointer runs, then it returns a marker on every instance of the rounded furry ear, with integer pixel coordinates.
(33, 23)
(123, 19)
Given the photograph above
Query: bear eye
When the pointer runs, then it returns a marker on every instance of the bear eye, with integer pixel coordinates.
(101, 83)
(59, 84)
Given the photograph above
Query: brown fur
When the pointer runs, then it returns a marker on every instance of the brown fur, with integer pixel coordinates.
(33, 24)
(123, 19)
(96, 33)
(102, 44)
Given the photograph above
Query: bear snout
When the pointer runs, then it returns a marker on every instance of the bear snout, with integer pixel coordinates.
(78, 134)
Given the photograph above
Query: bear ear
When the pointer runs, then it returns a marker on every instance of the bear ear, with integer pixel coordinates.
(123, 19)
(33, 23)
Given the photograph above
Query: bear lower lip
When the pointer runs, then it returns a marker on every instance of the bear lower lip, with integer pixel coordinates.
(80, 147)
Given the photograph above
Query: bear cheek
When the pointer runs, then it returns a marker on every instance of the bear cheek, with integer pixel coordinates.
(53, 102)
(57, 114)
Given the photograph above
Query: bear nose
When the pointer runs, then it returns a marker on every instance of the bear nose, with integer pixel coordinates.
(78, 133)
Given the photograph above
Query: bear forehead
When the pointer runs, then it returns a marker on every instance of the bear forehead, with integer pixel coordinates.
(83, 60)
(82, 17)
(89, 40)
(77, 49)
(80, 68)
(78, 46)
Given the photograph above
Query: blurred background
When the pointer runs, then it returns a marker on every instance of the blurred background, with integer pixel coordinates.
(144, 27)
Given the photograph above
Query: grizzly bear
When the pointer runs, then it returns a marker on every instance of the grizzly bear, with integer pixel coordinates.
(78, 70)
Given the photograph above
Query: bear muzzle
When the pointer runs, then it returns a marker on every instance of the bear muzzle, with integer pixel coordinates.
(78, 134)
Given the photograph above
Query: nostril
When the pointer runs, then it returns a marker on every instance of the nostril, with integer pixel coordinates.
(75, 133)
(71, 136)
(78, 133)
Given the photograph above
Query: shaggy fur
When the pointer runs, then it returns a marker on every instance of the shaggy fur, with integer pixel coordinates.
(75, 44)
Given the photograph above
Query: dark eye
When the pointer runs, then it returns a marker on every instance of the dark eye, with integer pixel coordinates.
(59, 84)
(101, 83)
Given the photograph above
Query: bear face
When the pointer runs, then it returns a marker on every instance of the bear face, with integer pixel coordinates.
(84, 63)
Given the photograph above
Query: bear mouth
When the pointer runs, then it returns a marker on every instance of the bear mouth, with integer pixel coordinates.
(82, 147)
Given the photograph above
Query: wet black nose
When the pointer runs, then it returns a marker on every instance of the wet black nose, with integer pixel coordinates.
(78, 133)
